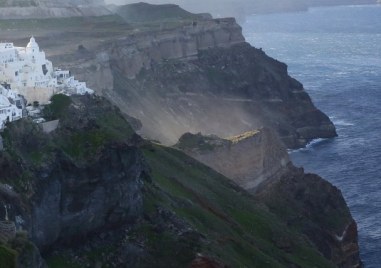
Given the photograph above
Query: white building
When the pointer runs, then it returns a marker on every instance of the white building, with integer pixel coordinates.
(26, 73)
(30, 74)
(11, 106)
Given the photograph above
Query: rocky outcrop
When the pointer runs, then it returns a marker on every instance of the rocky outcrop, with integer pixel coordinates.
(74, 201)
(84, 176)
(251, 159)
(316, 208)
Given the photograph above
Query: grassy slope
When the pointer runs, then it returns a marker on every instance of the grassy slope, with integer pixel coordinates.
(7, 257)
(240, 232)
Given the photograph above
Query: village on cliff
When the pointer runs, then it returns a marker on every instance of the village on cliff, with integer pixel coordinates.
(28, 79)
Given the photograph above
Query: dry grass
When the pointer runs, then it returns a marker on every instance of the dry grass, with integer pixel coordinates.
(243, 136)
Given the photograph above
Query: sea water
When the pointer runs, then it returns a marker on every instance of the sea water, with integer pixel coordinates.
(336, 53)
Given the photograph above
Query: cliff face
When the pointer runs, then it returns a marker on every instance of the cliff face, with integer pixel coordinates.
(74, 201)
(258, 162)
(316, 208)
(202, 77)
(251, 159)
(74, 184)
(87, 185)
(139, 51)
(82, 185)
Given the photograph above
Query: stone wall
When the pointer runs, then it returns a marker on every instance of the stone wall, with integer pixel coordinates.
(42, 95)
(7, 231)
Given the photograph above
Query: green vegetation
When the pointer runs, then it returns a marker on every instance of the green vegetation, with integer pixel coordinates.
(238, 231)
(199, 142)
(7, 257)
(108, 127)
(58, 106)
(61, 262)
(226, 223)
(82, 133)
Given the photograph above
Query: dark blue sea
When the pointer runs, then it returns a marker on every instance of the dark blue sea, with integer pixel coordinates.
(336, 53)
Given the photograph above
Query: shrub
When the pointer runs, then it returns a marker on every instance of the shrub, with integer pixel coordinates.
(58, 106)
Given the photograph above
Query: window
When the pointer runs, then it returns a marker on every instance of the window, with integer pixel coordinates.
(44, 69)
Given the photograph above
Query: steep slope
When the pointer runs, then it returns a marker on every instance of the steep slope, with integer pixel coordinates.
(86, 197)
(228, 217)
(82, 177)
(225, 91)
(313, 206)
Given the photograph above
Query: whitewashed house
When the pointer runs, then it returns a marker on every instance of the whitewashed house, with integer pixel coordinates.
(26, 74)
(30, 74)
(11, 106)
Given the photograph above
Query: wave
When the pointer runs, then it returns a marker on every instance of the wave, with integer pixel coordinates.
(309, 145)
(341, 122)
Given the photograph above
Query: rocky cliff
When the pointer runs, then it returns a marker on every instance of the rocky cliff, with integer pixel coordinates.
(200, 76)
(92, 192)
(316, 208)
(84, 176)
(258, 162)
(251, 159)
